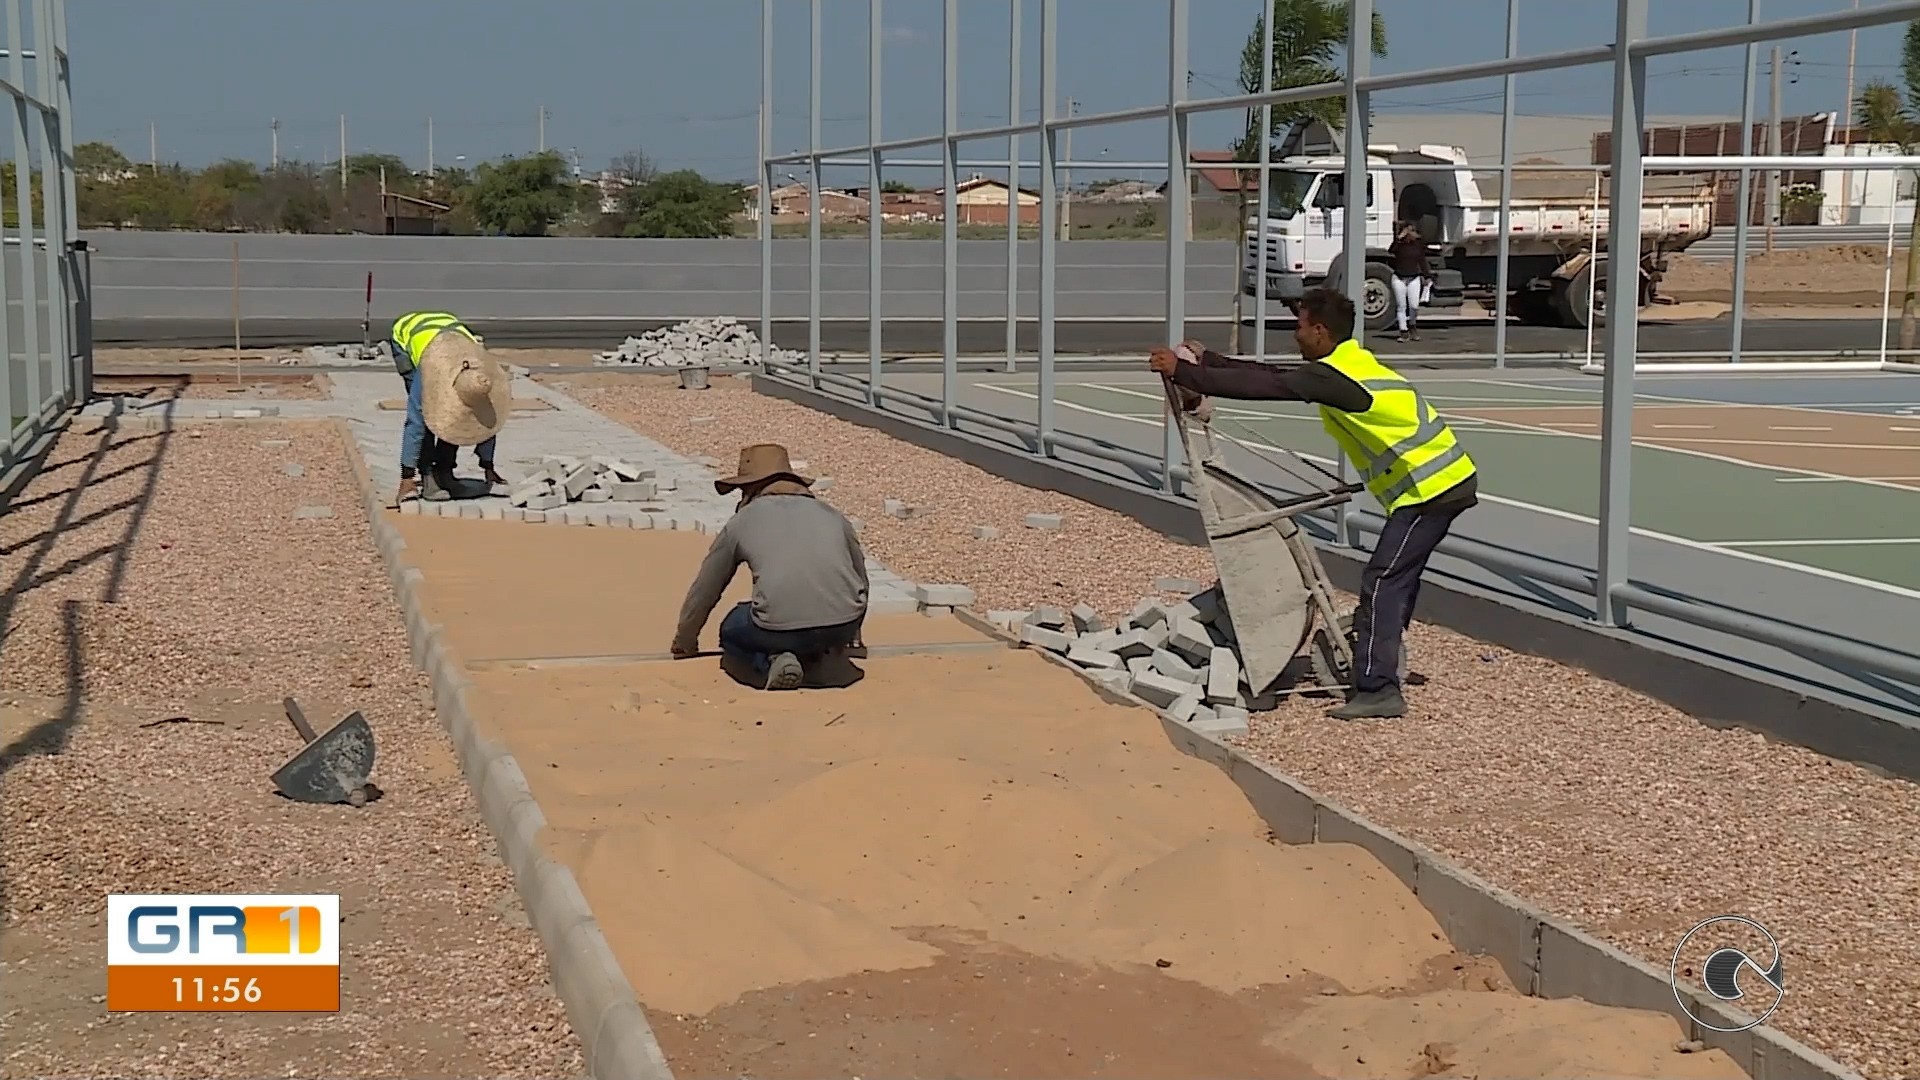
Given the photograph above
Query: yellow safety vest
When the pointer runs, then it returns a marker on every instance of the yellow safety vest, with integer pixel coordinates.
(415, 330)
(1405, 453)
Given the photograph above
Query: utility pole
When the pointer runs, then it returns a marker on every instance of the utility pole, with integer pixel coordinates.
(1066, 180)
(1853, 48)
(543, 129)
(343, 153)
(1773, 150)
(429, 147)
(273, 163)
(153, 148)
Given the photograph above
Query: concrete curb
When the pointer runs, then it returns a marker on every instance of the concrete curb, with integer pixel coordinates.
(1544, 956)
(614, 1034)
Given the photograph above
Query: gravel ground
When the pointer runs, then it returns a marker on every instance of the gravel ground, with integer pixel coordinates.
(146, 583)
(1612, 810)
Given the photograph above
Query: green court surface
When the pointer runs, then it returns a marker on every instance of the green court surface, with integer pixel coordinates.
(1860, 529)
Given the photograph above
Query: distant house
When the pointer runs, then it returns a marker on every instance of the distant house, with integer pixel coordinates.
(792, 201)
(982, 200)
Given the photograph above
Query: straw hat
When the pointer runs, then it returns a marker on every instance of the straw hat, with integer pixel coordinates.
(465, 395)
(765, 461)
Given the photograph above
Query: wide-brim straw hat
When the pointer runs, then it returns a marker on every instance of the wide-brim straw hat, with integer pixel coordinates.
(763, 461)
(465, 394)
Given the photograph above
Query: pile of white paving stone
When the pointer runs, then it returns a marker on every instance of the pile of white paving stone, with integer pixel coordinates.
(1180, 656)
(559, 480)
(710, 342)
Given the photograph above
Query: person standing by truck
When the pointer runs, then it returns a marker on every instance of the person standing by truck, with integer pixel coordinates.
(1406, 454)
(1412, 278)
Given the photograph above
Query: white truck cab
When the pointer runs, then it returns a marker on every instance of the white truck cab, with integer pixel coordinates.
(1553, 267)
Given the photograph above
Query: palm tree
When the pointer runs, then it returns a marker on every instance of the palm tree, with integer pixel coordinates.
(1309, 39)
(1888, 116)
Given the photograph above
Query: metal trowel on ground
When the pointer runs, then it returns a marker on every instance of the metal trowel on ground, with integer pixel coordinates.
(331, 768)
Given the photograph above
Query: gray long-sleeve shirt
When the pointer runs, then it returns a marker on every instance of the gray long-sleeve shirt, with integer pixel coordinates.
(808, 569)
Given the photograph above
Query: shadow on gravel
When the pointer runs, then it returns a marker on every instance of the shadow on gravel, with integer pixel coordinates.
(29, 570)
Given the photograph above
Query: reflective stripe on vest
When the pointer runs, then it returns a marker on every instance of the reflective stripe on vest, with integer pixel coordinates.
(1405, 452)
(416, 330)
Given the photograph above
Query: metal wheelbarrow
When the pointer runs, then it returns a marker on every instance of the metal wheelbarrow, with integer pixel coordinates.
(1271, 578)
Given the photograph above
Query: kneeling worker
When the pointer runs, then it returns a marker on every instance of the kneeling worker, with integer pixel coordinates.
(422, 452)
(1405, 453)
(809, 575)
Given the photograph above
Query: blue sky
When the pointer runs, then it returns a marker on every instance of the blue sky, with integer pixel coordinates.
(679, 79)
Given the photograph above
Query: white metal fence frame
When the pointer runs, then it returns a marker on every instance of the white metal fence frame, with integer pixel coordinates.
(1609, 587)
(51, 368)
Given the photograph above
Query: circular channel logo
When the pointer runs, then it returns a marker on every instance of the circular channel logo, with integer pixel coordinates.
(1724, 965)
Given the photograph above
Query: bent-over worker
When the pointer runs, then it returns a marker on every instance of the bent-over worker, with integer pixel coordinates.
(1406, 454)
(809, 575)
(422, 451)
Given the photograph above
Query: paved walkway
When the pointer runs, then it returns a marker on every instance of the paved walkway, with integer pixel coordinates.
(566, 427)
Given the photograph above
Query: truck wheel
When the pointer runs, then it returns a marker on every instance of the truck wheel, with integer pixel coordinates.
(1376, 310)
(1570, 298)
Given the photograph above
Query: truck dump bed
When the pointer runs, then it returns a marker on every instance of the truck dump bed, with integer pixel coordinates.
(1676, 211)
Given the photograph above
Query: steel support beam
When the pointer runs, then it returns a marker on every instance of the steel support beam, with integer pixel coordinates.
(876, 220)
(1623, 313)
(1179, 211)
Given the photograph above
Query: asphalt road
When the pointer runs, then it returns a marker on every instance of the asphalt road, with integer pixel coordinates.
(1464, 339)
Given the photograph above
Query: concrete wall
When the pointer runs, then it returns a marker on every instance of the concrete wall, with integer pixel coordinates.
(189, 276)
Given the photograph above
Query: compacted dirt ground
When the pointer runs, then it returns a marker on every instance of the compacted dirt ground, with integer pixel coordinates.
(160, 600)
(1831, 277)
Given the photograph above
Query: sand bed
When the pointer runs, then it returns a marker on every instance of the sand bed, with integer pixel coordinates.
(772, 867)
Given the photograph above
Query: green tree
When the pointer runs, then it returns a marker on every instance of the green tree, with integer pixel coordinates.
(157, 198)
(1891, 114)
(520, 196)
(896, 187)
(100, 161)
(11, 212)
(681, 204)
(217, 191)
(1309, 41)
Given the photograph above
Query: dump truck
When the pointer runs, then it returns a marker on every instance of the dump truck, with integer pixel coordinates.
(1556, 271)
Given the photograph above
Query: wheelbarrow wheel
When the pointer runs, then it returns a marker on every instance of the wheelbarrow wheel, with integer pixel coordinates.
(1329, 670)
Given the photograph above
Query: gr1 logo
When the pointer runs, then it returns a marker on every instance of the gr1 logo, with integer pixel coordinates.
(225, 953)
(223, 930)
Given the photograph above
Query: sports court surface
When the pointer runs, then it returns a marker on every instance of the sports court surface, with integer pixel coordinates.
(1819, 472)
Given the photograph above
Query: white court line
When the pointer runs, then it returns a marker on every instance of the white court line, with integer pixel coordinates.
(1550, 511)
(1683, 427)
(1823, 406)
(1871, 541)
(1788, 427)
(1843, 479)
(1663, 443)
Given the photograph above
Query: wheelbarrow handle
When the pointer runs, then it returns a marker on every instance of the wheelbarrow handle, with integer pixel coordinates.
(299, 719)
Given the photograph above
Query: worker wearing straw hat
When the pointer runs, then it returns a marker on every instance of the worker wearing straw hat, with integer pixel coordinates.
(809, 575)
(457, 395)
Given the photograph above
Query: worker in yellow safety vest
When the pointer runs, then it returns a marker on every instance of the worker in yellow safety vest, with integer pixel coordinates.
(1405, 453)
(421, 453)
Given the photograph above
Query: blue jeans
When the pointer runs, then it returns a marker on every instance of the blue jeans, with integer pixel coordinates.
(749, 643)
(413, 433)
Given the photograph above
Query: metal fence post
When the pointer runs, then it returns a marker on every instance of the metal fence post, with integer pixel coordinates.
(1502, 283)
(876, 202)
(1179, 206)
(1623, 315)
(1741, 227)
(53, 224)
(766, 183)
(23, 203)
(1013, 187)
(1359, 207)
(1266, 187)
(1049, 215)
(814, 76)
(950, 213)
